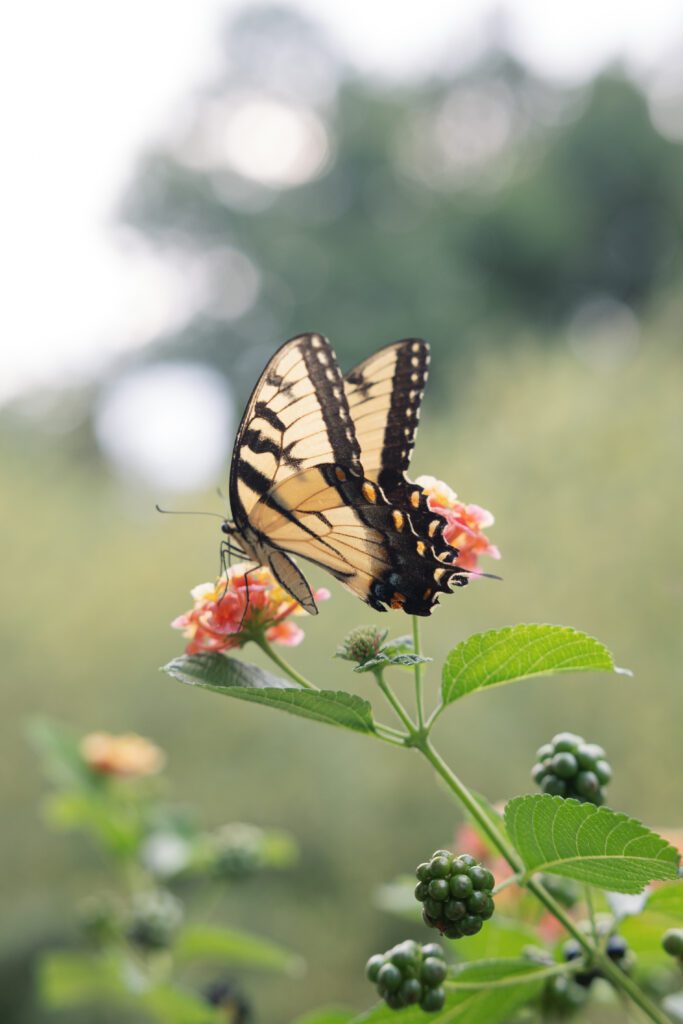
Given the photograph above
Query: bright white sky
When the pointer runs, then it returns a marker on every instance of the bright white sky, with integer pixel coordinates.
(86, 84)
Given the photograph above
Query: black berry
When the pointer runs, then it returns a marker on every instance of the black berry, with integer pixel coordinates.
(672, 941)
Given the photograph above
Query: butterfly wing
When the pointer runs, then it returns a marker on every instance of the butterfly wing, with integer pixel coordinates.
(344, 524)
(297, 417)
(297, 485)
(385, 393)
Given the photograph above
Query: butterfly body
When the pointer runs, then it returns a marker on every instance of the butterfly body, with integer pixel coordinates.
(319, 471)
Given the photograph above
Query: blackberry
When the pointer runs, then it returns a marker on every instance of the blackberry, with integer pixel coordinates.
(410, 974)
(235, 1009)
(154, 920)
(455, 892)
(672, 943)
(570, 767)
(617, 950)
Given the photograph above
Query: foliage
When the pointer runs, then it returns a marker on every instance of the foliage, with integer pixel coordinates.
(538, 837)
(141, 948)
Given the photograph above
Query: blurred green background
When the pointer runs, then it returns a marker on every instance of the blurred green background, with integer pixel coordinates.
(532, 233)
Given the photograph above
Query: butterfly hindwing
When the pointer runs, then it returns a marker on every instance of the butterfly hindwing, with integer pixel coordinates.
(344, 524)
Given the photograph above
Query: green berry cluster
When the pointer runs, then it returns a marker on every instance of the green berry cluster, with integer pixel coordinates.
(154, 920)
(568, 766)
(455, 893)
(409, 974)
(672, 942)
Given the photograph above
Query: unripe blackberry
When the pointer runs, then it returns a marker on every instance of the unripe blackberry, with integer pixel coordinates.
(235, 1009)
(456, 894)
(570, 767)
(672, 942)
(616, 948)
(237, 851)
(561, 997)
(155, 918)
(409, 974)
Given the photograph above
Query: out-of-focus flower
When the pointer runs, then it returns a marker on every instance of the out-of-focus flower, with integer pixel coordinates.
(237, 608)
(128, 755)
(465, 524)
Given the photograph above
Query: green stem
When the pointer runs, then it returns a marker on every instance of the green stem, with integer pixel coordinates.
(282, 664)
(418, 674)
(591, 914)
(544, 972)
(393, 700)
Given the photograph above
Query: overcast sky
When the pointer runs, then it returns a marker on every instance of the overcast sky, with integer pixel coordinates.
(87, 84)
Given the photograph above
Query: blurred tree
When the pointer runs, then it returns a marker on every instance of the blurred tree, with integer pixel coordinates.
(457, 209)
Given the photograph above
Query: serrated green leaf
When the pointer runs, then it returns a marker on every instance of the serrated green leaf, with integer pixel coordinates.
(220, 672)
(230, 946)
(385, 658)
(517, 980)
(519, 652)
(233, 678)
(590, 844)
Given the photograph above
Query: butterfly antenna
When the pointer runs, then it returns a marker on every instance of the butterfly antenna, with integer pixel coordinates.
(186, 512)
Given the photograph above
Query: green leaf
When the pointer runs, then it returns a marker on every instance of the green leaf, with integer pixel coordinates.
(519, 652)
(398, 652)
(116, 827)
(590, 844)
(71, 979)
(59, 749)
(517, 983)
(234, 678)
(667, 900)
(230, 946)
(173, 1006)
(502, 937)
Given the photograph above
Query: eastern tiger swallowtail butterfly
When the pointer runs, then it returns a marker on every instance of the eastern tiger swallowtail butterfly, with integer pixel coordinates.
(318, 470)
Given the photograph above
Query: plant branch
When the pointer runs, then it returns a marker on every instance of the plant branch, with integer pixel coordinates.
(393, 700)
(268, 649)
(620, 980)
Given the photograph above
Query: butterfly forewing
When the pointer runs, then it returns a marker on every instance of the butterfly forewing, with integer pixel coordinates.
(297, 417)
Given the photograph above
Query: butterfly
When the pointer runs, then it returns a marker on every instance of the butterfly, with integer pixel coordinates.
(319, 470)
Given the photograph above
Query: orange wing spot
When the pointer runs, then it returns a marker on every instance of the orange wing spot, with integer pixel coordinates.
(421, 547)
(398, 519)
(415, 498)
(340, 475)
(438, 573)
(433, 527)
(397, 601)
(427, 594)
(369, 492)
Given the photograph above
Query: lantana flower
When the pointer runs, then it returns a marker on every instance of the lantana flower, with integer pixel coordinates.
(465, 524)
(128, 755)
(236, 609)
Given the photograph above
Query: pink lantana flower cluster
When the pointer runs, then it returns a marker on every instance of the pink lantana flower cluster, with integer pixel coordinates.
(465, 524)
(238, 608)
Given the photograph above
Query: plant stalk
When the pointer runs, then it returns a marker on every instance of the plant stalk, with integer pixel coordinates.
(418, 674)
(282, 664)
